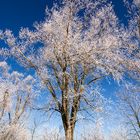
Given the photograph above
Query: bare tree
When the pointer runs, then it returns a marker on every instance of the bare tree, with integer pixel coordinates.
(79, 43)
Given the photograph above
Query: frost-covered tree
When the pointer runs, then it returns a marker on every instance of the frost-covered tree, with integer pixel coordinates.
(133, 28)
(119, 133)
(79, 43)
(16, 95)
(129, 105)
(14, 132)
(97, 134)
(52, 135)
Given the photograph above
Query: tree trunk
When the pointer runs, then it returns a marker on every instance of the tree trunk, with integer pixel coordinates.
(69, 133)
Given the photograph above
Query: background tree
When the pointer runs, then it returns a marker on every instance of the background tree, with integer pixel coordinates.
(119, 133)
(97, 134)
(130, 106)
(79, 43)
(133, 8)
(54, 134)
(16, 96)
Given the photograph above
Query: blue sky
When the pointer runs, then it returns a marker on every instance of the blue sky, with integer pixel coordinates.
(15, 14)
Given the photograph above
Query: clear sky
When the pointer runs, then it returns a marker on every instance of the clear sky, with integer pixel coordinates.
(15, 14)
